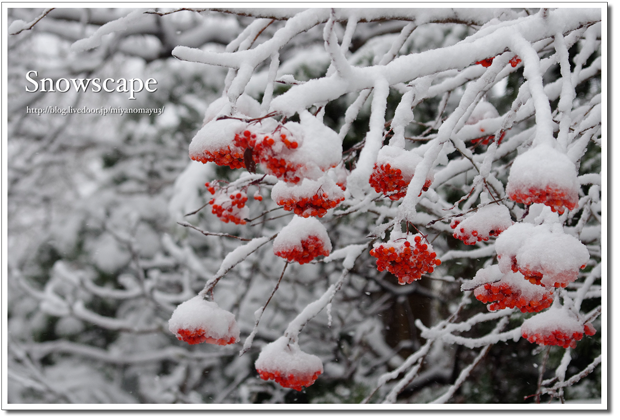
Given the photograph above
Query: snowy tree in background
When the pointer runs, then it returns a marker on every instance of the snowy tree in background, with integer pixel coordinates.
(335, 206)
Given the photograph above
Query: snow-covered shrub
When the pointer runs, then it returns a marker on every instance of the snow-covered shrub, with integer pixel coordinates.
(427, 206)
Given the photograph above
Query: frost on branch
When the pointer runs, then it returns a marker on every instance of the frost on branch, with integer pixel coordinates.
(200, 321)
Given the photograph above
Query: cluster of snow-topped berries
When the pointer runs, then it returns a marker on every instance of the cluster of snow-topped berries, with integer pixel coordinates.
(558, 326)
(229, 205)
(302, 240)
(544, 254)
(200, 321)
(393, 171)
(501, 291)
(544, 175)
(487, 221)
(310, 198)
(283, 362)
(407, 257)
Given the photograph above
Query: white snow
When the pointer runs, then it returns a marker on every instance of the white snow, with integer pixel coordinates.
(308, 188)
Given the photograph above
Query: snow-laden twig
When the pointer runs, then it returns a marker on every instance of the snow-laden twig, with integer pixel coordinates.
(259, 314)
(18, 26)
(233, 258)
(465, 372)
(314, 308)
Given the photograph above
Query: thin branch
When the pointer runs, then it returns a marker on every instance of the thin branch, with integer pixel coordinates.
(34, 22)
(185, 224)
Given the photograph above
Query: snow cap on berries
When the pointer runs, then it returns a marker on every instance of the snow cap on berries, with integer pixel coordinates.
(285, 363)
(487, 221)
(246, 107)
(545, 175)
(302, 240)
(198, 320)
(408, 257)
(308, 198)
(214, 143)
(545, 257)
(510, 290)
(393, 171)
(558, 326)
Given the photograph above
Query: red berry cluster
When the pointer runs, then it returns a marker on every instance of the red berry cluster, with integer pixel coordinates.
(485, 140)
(311, 248)
(227, 156)
(551, 196)
(503, 296)
(316, 206)
(200, 336)
(266, 152)
(514, 61)
(559, 338)
(390, 181)
(470, 237)
(228, 209)
(290, 380)
(406, 262)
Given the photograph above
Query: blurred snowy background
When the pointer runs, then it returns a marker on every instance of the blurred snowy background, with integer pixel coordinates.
(98, 262)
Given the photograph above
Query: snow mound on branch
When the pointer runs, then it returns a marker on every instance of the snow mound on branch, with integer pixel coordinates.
(246, 107)
(544, 175)
(198, 320)
(550, 259)
(482, 111)
(304, 238)
(285, 363)
(488, 221)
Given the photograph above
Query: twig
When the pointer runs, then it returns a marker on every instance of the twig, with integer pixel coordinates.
(185, 224)
(248, 341)
(45, 13)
